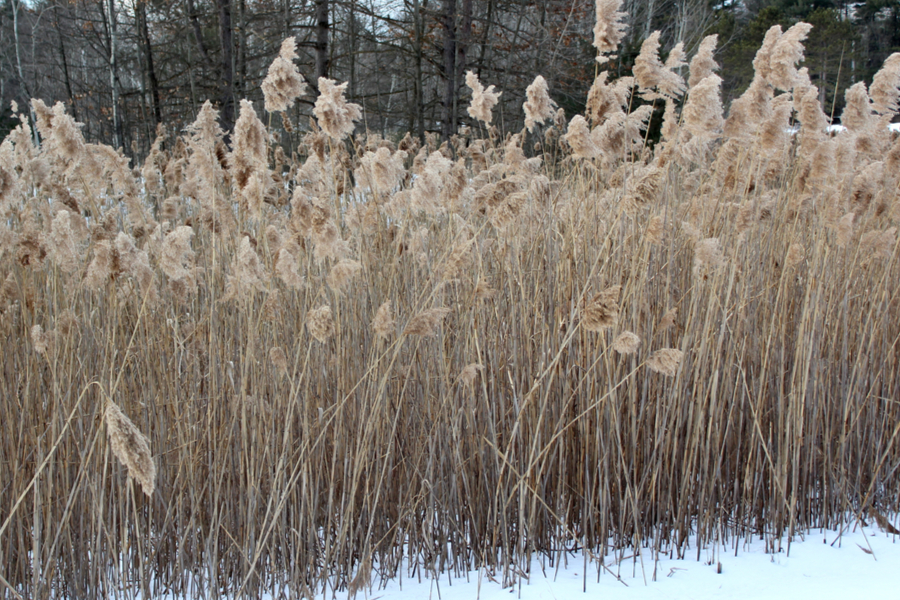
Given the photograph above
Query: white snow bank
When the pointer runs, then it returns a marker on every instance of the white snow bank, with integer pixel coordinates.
(822, 565)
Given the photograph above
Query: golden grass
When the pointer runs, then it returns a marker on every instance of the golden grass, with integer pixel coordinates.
(246, 321)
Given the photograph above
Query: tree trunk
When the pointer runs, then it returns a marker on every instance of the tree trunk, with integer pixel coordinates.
(150, 71)
(464, 37)
(226, 84)
(114, 74)
(418, 83)
(322, 29)
(198, 33)
(64, 61)
(447, 116)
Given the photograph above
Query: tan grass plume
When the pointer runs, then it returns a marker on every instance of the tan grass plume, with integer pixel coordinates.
(665, 361)
(131, 447)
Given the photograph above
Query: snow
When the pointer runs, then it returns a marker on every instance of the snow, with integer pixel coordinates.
(861, 563)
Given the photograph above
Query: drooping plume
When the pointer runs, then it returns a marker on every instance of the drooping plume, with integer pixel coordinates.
(885, 89)
(609, 29)
(539, 107)
(703, 64)
(335, 115)
(283, 84)
(650, 73)
(483, 100)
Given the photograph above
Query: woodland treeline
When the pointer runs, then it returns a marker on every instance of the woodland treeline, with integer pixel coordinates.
(124, 66)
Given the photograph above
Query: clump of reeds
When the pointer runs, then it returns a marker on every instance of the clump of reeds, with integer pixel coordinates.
(350, 352)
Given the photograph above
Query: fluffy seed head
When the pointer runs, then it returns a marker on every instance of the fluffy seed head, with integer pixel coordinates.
(279, 360)
(483, 100)
(469, 373)
(427, 322)
(602, 311)
(539, 107)
(335, 115)
(383, 324)
(665, 361)
(320, 324)
(341, 274)
(885, 90)
(283, 84)
(626, 343)
(131, 447)
(703, 64)
(609, 28)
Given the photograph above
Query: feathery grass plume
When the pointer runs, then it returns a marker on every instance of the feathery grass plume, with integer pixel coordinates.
(605, 99)
(504, 214)
(668, 319)
(247, 273)
(154, 164)
(885, 88)
(655, 229)
(64, 246)
(42, 342)
(669, 129)
(327, 242)
(665, 361)
(865, 187)
(320, 324)
(878, 243)
(483, 290)
(642, 188)
(8, 291)
(786, 53)
(622, 133)
(538, 107)
(380, 170)
(177, 259)
(426, 191)
(205, 174)
(703, 109)
(483, 100)
(774, 136)
(341, 274)
(135, 263)
(59, 131)
(101, 267)
(279, 360)
(794, 256)
(427, 322)
(579, 139)
(650, 73)
(762, 65)
(335, 115)
(703, 65)
(845, 229)
(602, 312)
(286, 269)
(383, 323)
(469, 373)
(250, 147)
(283, 84)
(457, 261)
(131, 447)
(708, 256)
(811, 117)
(857, 115)
(609, 28)
(626, 343)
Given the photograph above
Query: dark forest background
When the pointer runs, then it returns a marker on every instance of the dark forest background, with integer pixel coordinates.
(123, 66)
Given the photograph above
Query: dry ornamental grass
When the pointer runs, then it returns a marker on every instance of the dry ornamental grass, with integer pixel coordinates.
(245, 305)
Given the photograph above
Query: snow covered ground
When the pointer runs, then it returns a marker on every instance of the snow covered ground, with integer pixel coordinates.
(862, 563)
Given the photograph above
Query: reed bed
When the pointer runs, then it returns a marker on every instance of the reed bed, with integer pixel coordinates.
(313, 365)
